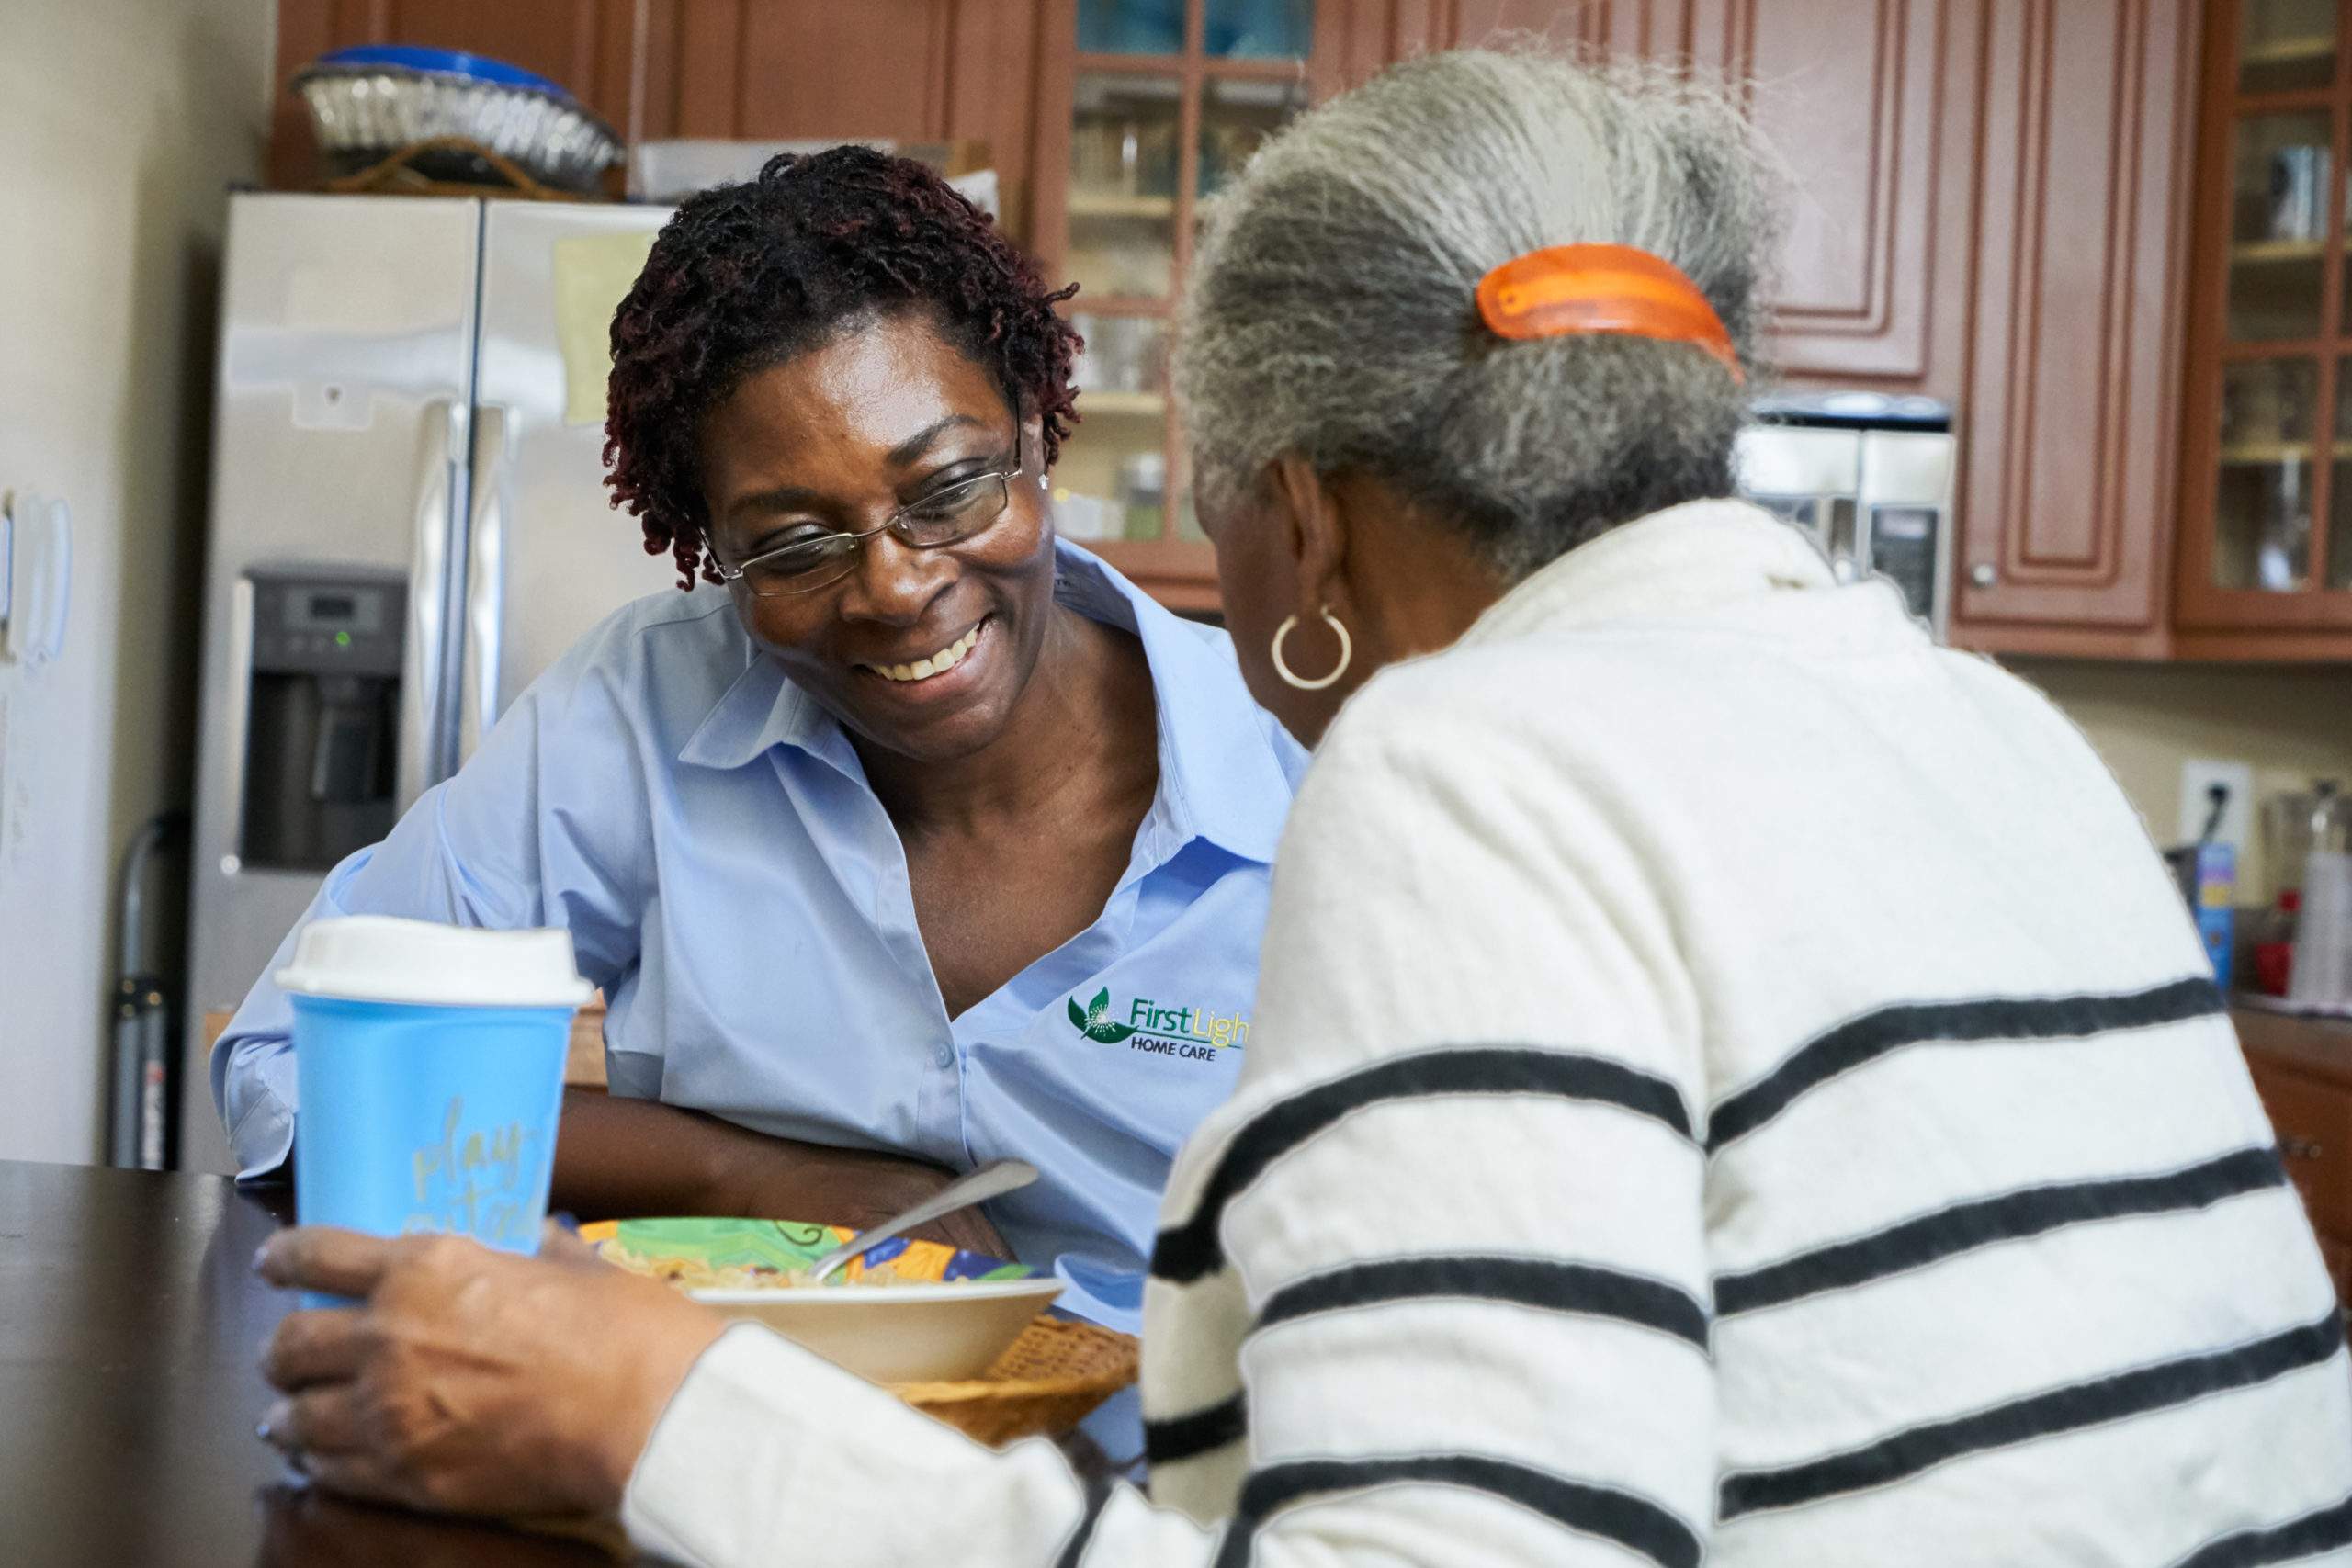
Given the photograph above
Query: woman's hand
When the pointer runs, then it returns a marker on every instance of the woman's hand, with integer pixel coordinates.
(472, 1382)
(617, 1157)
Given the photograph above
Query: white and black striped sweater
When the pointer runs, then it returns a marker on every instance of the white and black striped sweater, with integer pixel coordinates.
(1731, 1082)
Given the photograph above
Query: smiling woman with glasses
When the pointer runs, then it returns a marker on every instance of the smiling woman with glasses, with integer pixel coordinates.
(851, 844)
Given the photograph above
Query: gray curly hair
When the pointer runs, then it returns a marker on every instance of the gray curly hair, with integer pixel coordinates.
(1331, 313)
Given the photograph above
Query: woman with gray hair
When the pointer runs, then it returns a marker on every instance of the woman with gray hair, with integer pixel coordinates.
(1638, 1159)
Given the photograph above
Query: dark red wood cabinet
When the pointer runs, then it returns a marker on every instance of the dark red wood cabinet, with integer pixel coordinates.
(2047, 212)
(2265, 560)
(2070, 464)
(2303, 1070)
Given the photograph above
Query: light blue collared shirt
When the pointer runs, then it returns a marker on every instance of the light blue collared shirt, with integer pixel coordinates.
(706, 832)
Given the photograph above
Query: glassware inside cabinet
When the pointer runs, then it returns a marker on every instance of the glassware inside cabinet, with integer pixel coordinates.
(1259, 29)
(2262, 509)
(2286, 45)
(1236, 116)
(1131, 27)
(1113, 478)
(1122, 203)
(2339, 503)
(2279, 237)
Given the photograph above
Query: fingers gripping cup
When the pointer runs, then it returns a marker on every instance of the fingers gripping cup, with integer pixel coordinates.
(429, 1072)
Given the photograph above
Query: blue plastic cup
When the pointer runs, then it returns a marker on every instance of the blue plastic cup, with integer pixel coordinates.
(429, 1074)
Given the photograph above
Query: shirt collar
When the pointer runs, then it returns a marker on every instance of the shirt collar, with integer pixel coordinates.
(1219, 775)
(762, 710)
(1690, 557)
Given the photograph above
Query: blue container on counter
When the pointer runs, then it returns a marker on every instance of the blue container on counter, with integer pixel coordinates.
(429, 1074)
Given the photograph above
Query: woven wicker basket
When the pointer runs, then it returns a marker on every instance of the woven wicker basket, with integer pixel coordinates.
(1051, 1379)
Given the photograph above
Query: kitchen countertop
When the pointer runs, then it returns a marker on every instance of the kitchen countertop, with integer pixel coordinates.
(2317, 1047)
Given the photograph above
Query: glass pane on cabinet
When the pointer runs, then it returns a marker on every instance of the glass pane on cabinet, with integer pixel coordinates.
(1112, 481)
(1236, 116)
(1131, 27)
(1122, 205)
(2262, 506)
(2284, 45)
(1260, 29)
(2278, 226)
(2339, 505)
(2339, 533)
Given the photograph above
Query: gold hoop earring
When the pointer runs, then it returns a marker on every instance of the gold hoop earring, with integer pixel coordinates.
(1282, 666)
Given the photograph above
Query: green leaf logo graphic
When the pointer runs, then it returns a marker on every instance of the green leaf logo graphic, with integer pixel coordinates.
(1095, 1021)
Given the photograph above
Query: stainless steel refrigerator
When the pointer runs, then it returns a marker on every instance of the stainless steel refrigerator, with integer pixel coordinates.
(408, 524)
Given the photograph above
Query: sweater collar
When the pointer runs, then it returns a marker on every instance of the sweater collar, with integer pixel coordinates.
(1690, 557)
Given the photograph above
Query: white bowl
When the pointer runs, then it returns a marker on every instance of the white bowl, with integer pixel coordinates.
(898, 1333)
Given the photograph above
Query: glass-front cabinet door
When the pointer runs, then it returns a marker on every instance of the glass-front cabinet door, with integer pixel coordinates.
(1147, 108)
(2267, 541)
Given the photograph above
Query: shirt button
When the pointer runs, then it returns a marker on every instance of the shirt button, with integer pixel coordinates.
(944, 1055)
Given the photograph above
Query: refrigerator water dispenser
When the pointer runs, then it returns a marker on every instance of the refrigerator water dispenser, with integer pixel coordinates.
(322, 736)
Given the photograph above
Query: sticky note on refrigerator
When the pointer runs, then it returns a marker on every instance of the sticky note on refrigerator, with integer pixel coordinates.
(592, 272)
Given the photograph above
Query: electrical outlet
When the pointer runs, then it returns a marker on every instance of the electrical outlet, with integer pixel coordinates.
(2198, 775)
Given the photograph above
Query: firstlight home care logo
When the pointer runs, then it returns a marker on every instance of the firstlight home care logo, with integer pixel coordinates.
(1195, 1033)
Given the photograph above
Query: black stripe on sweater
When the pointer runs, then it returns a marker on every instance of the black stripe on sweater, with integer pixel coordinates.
(1191, 1250)
(2307, 1537)
(1529, 1282)
(1203, 1431)
(1098, 1493)
(1630, 1520)
(1984, 1020)
(2012, 1216)
(2140, 1391)
(1536, 1282)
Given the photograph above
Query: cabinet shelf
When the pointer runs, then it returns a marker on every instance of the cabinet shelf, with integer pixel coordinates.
(1122, 405)
(2265, 454)
(2275, 252)
(2270, 454)
(2290, 51)
(1120, 204)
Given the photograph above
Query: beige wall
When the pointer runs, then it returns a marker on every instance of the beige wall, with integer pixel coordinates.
(2288, 723)
(122, 121)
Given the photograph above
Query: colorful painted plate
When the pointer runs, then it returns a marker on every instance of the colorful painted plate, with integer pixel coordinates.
(943, 1313)
(782, 1248)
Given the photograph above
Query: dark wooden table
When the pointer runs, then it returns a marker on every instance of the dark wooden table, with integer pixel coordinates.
(130, 1325)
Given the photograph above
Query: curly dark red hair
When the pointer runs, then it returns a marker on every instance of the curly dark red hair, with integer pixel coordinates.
(746, 276)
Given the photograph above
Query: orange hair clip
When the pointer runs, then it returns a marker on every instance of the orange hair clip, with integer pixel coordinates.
(1566, 290)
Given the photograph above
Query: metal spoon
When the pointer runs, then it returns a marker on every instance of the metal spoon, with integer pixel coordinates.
(991, 1180)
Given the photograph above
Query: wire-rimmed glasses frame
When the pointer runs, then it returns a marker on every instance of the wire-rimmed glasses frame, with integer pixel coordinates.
(962, 511)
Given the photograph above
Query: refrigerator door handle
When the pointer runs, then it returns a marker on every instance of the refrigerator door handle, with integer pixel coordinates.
(8, 562)
(485, 579)
(422, 707)
(224, 812)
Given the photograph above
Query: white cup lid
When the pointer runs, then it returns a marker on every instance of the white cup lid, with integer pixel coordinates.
(380, 958)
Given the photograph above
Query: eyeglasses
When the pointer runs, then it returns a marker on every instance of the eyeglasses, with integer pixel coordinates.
(819, 560)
